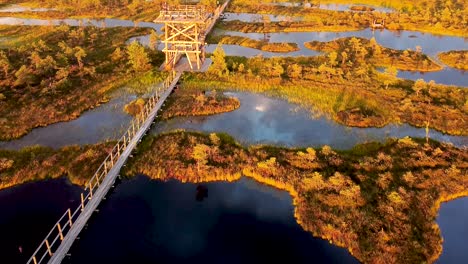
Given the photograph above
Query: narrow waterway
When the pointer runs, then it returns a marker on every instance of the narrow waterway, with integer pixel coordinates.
(265, 120)
(105, 122)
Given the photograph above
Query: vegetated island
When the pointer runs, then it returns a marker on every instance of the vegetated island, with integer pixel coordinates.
(285, 26)
(278, 47)
(378, 200)
(52, 74)
(362, 8)
(431, 16)
(189, 102)
(457, 59)
(345, 86)
(408, 60)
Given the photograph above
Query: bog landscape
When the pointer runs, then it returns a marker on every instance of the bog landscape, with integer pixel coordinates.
(233, 131)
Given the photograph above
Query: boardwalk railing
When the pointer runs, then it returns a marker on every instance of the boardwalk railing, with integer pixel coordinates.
(52, 241)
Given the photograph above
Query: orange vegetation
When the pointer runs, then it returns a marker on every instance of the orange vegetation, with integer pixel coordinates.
(378, 200)
(345, 87)
(255, 44)
(39, 163)
(135, 107)
(378, 55)
(53, 74)
(196, 103)
(455, 58)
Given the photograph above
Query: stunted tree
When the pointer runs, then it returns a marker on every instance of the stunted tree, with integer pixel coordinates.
(418, 86)
(332, 58)
(200, 154)
(219, 65)
(355, 44)
(431, 85)
(5, 64)
(344, 57)
(46, 66)
(117, 55)
(391, 73)
(294, 71)
(137, 57)
(215, 139)
(277, 70)
(314, 182)
(23, 76)
(241, 68)
(79, 53)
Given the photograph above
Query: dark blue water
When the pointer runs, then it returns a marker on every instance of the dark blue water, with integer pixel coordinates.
(453, 217)
(144, 221)
(242, 222)
(28, 212)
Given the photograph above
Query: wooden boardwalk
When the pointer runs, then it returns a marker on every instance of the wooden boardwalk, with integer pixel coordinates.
(59, 240)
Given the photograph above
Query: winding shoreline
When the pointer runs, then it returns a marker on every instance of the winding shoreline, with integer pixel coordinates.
(189, 173)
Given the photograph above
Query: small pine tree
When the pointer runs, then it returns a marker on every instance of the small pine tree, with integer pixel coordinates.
(137, 57)
(418, 86)
(219, 65)
(200, 154)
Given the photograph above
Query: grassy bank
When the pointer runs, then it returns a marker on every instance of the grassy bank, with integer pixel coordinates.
(78, 163)
(52, 74)
(457, 59)
(378, 200)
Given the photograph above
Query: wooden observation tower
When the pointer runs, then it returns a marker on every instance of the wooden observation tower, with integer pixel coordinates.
(184, 33)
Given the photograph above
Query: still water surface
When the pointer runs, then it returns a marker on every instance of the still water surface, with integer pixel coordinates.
(146, 221)
(265, 120)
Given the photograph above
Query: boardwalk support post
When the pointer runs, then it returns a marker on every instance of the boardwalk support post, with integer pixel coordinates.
(48, 247)
(70, 217)
(82, 201)
(60, 231)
